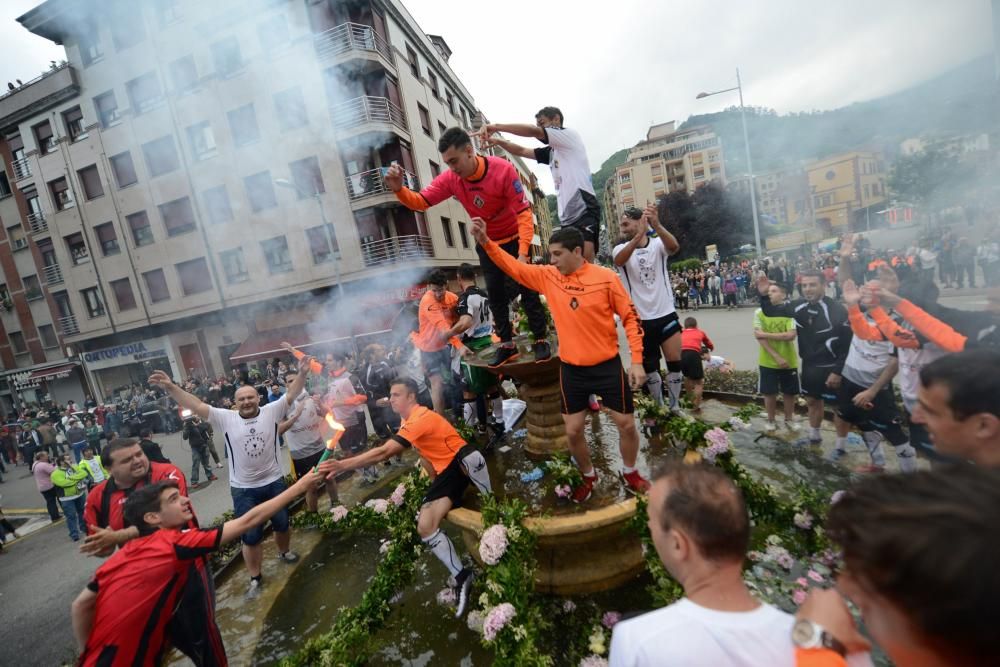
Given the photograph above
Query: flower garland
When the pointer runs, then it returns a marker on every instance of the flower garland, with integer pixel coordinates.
(348, 641)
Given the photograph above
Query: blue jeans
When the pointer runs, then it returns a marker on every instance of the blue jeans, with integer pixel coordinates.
(73, 509)
(78, 448)
(245, 500)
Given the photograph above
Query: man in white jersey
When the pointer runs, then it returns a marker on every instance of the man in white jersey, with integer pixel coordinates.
(303, 433)
(566, 155)
(641, 262)
(255, 476)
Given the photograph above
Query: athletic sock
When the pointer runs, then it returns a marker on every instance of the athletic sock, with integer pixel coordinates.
(841, 443)
(475, 468)
(588, 473)
(469, 413)
(873, 440)
(481, 409)
(627, 469)
(907, 456)
(675, 382)
(655, 384)
(814, 433)
(441, 546)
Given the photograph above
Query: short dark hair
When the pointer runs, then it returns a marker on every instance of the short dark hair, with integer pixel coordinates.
(437, 277)
(927, 541)
(813, 273)
(88, 448)
(704, 502)
(568, 237)
(143, 500)
(466, 272)
(146, 433)
(972, 378)
(453, 137)
(409, 383)
(114, 446)
(690, 323)
(551, 112)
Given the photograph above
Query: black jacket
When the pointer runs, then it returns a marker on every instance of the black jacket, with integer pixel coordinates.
(824, 332)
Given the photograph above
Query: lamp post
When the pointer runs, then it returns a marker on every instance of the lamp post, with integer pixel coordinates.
(285, 183)
(746, 145)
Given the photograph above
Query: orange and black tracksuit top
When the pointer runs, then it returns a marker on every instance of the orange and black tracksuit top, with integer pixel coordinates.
(583, 305)
(970, 328)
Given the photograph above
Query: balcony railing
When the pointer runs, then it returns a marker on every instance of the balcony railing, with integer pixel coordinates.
(68, 325)
(53, 274)
(351, 36)
(22, 169)
(366, 109)
(37, 223)
(396, 248)
(368, 183)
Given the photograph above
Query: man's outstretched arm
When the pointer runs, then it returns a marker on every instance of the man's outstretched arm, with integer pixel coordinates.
(529, 275)
(520, 129)
(184, 399)
(512, 148)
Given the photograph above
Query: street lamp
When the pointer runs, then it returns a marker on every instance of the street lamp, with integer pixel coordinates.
(746, 145)
(285, 183)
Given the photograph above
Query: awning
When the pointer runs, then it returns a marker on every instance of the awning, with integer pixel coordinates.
(53, 372)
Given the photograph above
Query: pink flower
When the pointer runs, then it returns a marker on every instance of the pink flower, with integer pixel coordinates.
(785, 560)
(493, 544)
(446, 597)
(799, 596)
(803, 582)
(497, 619)
(379, 505)
(718, 444)
(338, 512)
(610, 618)
(593, 661)
(803, 520)
(563, 490)
(568, 606)
(835, 498)
(755, 556)
(815, 576)
(398, 495)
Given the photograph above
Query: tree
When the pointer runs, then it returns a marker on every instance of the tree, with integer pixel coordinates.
(709, 216)
(930, 178)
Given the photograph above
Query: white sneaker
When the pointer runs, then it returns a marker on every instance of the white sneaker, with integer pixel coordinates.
(253, 592)
(793, 427)
(770, 427)
(289, 557)
(218, 465)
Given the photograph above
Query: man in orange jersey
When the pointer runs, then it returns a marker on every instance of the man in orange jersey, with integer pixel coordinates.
(583, 299)
(451, 462)
(435, 317)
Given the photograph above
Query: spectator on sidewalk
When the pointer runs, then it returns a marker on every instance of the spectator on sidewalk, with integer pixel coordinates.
(72, 485)
(42, 470)
(96, 472)
(151, 449)
(76, 436)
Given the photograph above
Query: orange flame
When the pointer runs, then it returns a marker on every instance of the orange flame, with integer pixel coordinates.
(338, 432)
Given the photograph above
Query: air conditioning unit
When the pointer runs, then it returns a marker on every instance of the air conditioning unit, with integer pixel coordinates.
(20, 244)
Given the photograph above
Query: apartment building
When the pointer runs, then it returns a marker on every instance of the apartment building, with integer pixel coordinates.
(773, 191)
(204, 180)
(844, 190)
(668, 160)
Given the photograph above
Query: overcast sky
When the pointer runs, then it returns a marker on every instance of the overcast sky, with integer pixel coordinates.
(620, 66)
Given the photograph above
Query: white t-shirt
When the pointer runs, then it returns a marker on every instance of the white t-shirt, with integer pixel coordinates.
(567, 157)
(340, 389)
(252, 443)
(866, 359)
(94, 466)
(305, 437)
(647, 279)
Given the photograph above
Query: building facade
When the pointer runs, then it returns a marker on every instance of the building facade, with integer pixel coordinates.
(845, 191)
(204, 180)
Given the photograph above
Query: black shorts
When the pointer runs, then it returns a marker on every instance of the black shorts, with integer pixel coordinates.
(883, 412)
(814, 383)
(775, 380)
(355, 438)
(451, 482)
(606, 379)
(437, 362)
(691, 365)
(589, 224)
(654, 332)
(303, 466)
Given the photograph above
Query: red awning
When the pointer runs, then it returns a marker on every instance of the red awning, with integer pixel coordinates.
(54, 371)
(267, 344)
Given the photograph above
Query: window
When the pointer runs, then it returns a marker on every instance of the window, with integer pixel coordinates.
(32, 288)
(243, 125)
(217, 207)
(276, 254)
(465, 118)
(5, 190)
(90, 181)
(17, 342)
(699, 173)
(425, 119)
(867, 192)
(123, 294)
(156, 285)
(73, 121)
(451, 101)
(432, 81)
(16, 235)
(184, 74)
(291, 109)
(441, 129)
(161, 156)
(319, 243)
(227, 58)
(127, 27)
(92, 299)
(307, 177)
(446, 227)
(144, 93)
(167, 12)
(142, 233)
(194, 276)
(202, 141)
(108, 239)
(43, 137)
(61, 194)
(260, 191)
(90, 44)
(234, 266)
(435, 168)
(107, 109)
(48, 336)
(411, 57)
(77, 248)
(178, 216)
(273, 33)
(123, 169)
(462, 234)
(714, 171)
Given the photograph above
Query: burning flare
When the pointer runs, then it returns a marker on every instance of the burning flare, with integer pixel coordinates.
(331, 444)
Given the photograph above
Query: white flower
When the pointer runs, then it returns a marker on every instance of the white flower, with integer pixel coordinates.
(568, 606)
(738, 424)
(803, 520)
(399, 495)
(338, 512)
(475, 621)
(446, 597)
(493, 544)
(384, 547)
(593, 661)
(379, 505)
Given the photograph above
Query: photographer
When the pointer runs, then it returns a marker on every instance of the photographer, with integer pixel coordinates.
(197, 434)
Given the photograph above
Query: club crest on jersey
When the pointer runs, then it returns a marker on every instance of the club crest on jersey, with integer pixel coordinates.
(518, 188)
(478, 201)
(573, 303)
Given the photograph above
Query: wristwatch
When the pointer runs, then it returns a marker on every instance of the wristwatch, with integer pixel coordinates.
(806, 634)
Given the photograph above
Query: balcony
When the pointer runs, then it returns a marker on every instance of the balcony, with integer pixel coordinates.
(369, 183)
(363, 112)
(22, 169)
(37, 223)
(350, 40)
(68, 325)
(53, 274)
(397, 248)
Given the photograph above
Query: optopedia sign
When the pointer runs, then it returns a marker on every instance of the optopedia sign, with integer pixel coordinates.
(129, 353)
